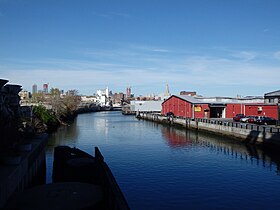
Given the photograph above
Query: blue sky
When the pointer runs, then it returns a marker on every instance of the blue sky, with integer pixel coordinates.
(214, 47)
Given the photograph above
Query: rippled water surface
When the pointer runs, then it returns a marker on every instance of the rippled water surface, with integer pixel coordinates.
(158, 167)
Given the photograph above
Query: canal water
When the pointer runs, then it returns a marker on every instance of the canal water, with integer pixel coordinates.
(161, 167)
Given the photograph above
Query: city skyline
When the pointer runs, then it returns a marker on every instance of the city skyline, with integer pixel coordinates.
(215, 48)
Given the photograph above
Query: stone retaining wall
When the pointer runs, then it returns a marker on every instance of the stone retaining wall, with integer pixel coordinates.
(242, 134)
(30, 171)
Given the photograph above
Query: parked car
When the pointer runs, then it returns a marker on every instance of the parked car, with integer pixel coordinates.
(237, 117)
(266, 121)
(170, 114)
(246, 119)
(253, 119)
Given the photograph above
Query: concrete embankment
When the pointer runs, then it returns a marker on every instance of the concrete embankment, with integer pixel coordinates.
(29, 171)
(256, 134)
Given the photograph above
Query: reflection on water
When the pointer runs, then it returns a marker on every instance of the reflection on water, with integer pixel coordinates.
(159, 167)
(67, 133)
(178, 137)
(254, 154)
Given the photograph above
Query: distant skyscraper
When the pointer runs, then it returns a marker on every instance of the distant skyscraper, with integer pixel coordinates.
(45, 88)
(107, 92)
(128, 92)
(34, 88)
(167, 93)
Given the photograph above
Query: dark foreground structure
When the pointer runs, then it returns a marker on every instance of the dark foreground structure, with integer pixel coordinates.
(80, 181)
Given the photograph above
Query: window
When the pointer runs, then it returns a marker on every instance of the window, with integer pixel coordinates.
(271, 100)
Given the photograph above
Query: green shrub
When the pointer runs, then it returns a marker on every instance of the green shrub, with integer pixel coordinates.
(44, 115)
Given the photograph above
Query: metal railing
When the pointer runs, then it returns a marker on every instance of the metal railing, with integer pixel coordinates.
(225, 122)
(249, 126)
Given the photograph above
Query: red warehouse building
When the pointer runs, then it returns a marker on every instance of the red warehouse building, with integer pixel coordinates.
(270, 110)
(187, 106)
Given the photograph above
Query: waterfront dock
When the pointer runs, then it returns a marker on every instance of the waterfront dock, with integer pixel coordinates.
(255, 134)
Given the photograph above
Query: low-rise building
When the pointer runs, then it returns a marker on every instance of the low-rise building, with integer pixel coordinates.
(272, 97)
(217, 107)
(145, 106)
(118, 98)
(103, 97)
(188, 93)
(185, 106)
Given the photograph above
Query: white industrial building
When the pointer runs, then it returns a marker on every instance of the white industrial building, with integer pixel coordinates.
(145, 106)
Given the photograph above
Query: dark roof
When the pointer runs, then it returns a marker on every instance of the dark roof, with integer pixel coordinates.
(274, 93)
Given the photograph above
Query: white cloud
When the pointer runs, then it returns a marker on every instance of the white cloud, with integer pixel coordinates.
(245, 55)
(135, 67)
(160, 50)
(277, 55)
